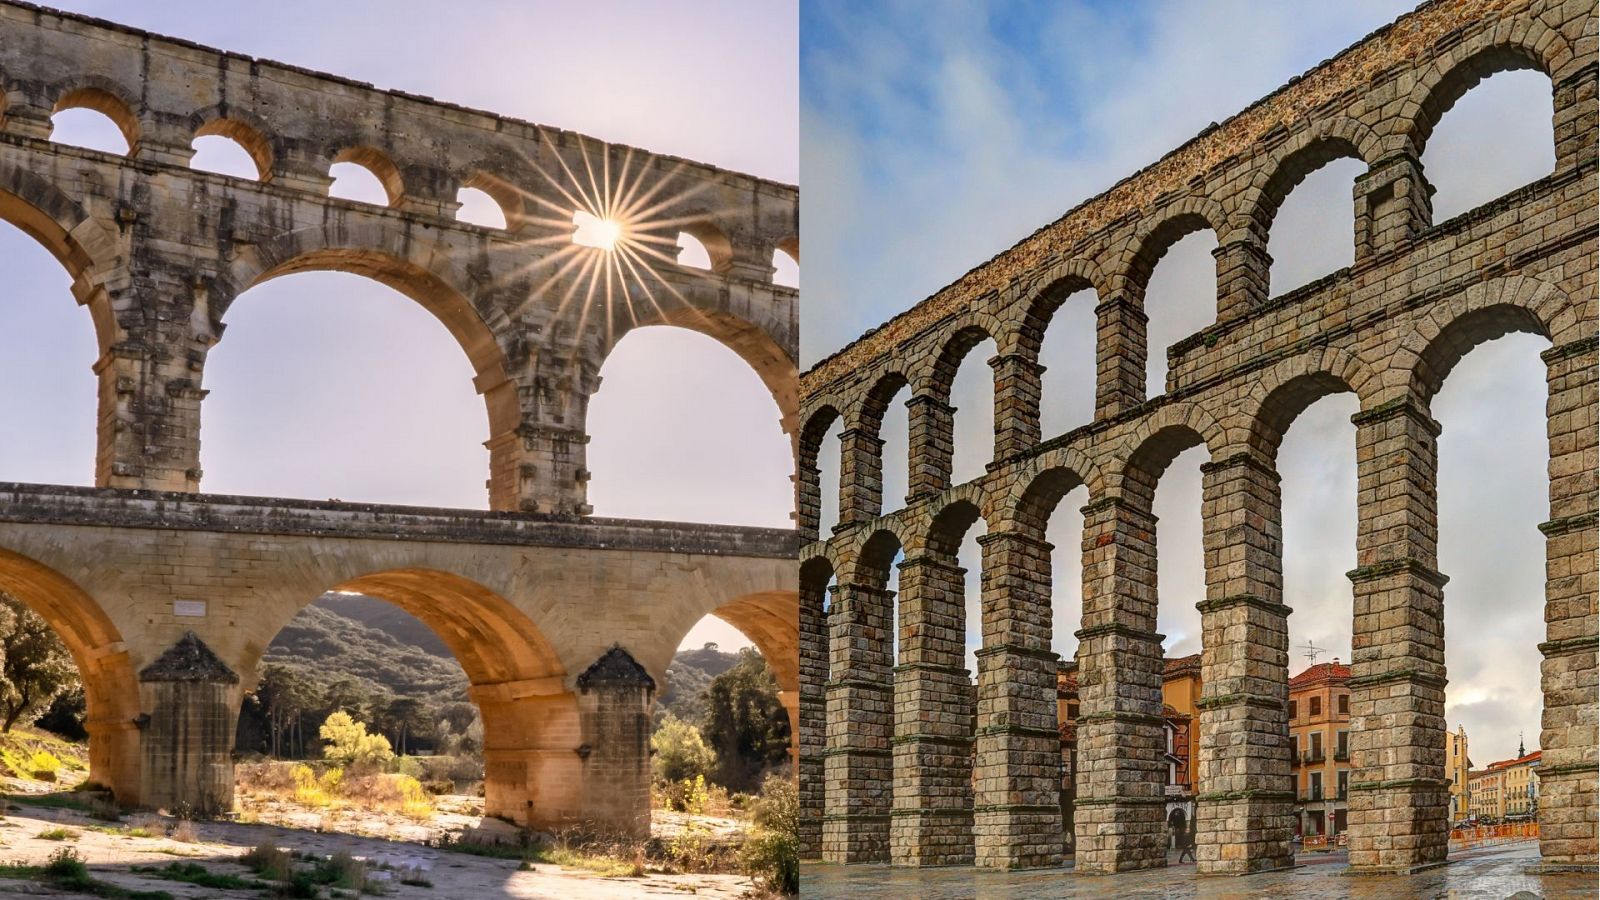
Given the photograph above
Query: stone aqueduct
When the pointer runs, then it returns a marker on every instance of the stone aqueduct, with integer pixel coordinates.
(889, 746)
(564, 623)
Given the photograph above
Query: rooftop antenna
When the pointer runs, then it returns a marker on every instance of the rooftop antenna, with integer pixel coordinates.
(1312, 650)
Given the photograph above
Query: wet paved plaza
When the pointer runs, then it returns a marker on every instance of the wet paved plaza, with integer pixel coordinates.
(1497, 872)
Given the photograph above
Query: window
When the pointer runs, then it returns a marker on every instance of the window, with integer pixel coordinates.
(1344, 744)
(1294, 710)
(1072, 710)
(1316, 745)
(1316, 707)
(1316, 785)
(1344, 783)
(1344, 704)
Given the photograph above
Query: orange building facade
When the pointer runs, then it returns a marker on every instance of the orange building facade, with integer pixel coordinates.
(1319, 724)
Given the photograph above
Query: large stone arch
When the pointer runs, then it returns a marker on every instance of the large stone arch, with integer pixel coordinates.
(1041, 483)
(425, 276)
(1482, 313)
(1030, 317)
(1151, 447)
(754, 344)
(531, 714)
(91, 253)
(1283, 392)
(1292, 163)
(808, 478)
(110, 687)
(1509, 46)
(1136, 260)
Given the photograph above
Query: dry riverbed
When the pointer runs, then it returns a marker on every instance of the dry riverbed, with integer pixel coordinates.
(391, 846)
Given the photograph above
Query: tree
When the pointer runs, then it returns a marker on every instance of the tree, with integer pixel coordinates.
(286, 694)
(37, 666)
(680, 753)
(745, 724)
(408, 720)
(347, 742)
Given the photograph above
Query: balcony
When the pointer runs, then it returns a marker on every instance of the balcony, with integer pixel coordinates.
(1342, 755)
(1311, 756)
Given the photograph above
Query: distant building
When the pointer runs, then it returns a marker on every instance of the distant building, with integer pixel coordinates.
(1522, 786)
(1319, 726)
(1485, 800)
(1180, 696)
(1508, 790)
(1456, 766)
(1067, 722)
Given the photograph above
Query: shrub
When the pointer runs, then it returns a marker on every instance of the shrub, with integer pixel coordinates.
(44, 765)
(679, 752)
(66, 865)
(772, 854)
(184, 832)
(58, 834)
(347, 742)
(341, 870)
(268, 861)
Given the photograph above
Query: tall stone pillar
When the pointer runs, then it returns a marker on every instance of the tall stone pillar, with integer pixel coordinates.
(1567, 781)
(1394, 203)
(537, 459)
(860, 476)
(1244, 821)
(1120, 327)
(858, 761)
(1243, 267)
(1399, 796)
(614, 697)
(1120, 810)
(813, 711)
(932, 812)
(1017, 811)
(1017, 396)
(191, 701)
(932, 440)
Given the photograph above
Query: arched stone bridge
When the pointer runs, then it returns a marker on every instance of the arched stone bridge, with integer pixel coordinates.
(168, 598)
(889, 746)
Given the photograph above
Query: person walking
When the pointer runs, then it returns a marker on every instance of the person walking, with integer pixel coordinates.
(1186, 844)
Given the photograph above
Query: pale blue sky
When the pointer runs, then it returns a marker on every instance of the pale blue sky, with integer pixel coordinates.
(935, 134)
(330, 385)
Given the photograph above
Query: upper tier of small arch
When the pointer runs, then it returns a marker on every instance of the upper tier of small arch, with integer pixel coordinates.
(295, 123)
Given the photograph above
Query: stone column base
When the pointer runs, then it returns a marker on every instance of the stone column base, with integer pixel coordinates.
(1018, 837)
(1119, 835)
(931, 837)
(1243, 835)
(855, 839)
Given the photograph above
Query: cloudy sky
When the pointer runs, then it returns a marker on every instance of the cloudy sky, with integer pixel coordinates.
(937, 134)
(329, 385)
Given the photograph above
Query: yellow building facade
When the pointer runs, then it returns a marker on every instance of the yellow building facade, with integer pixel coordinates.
(1456, 766)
